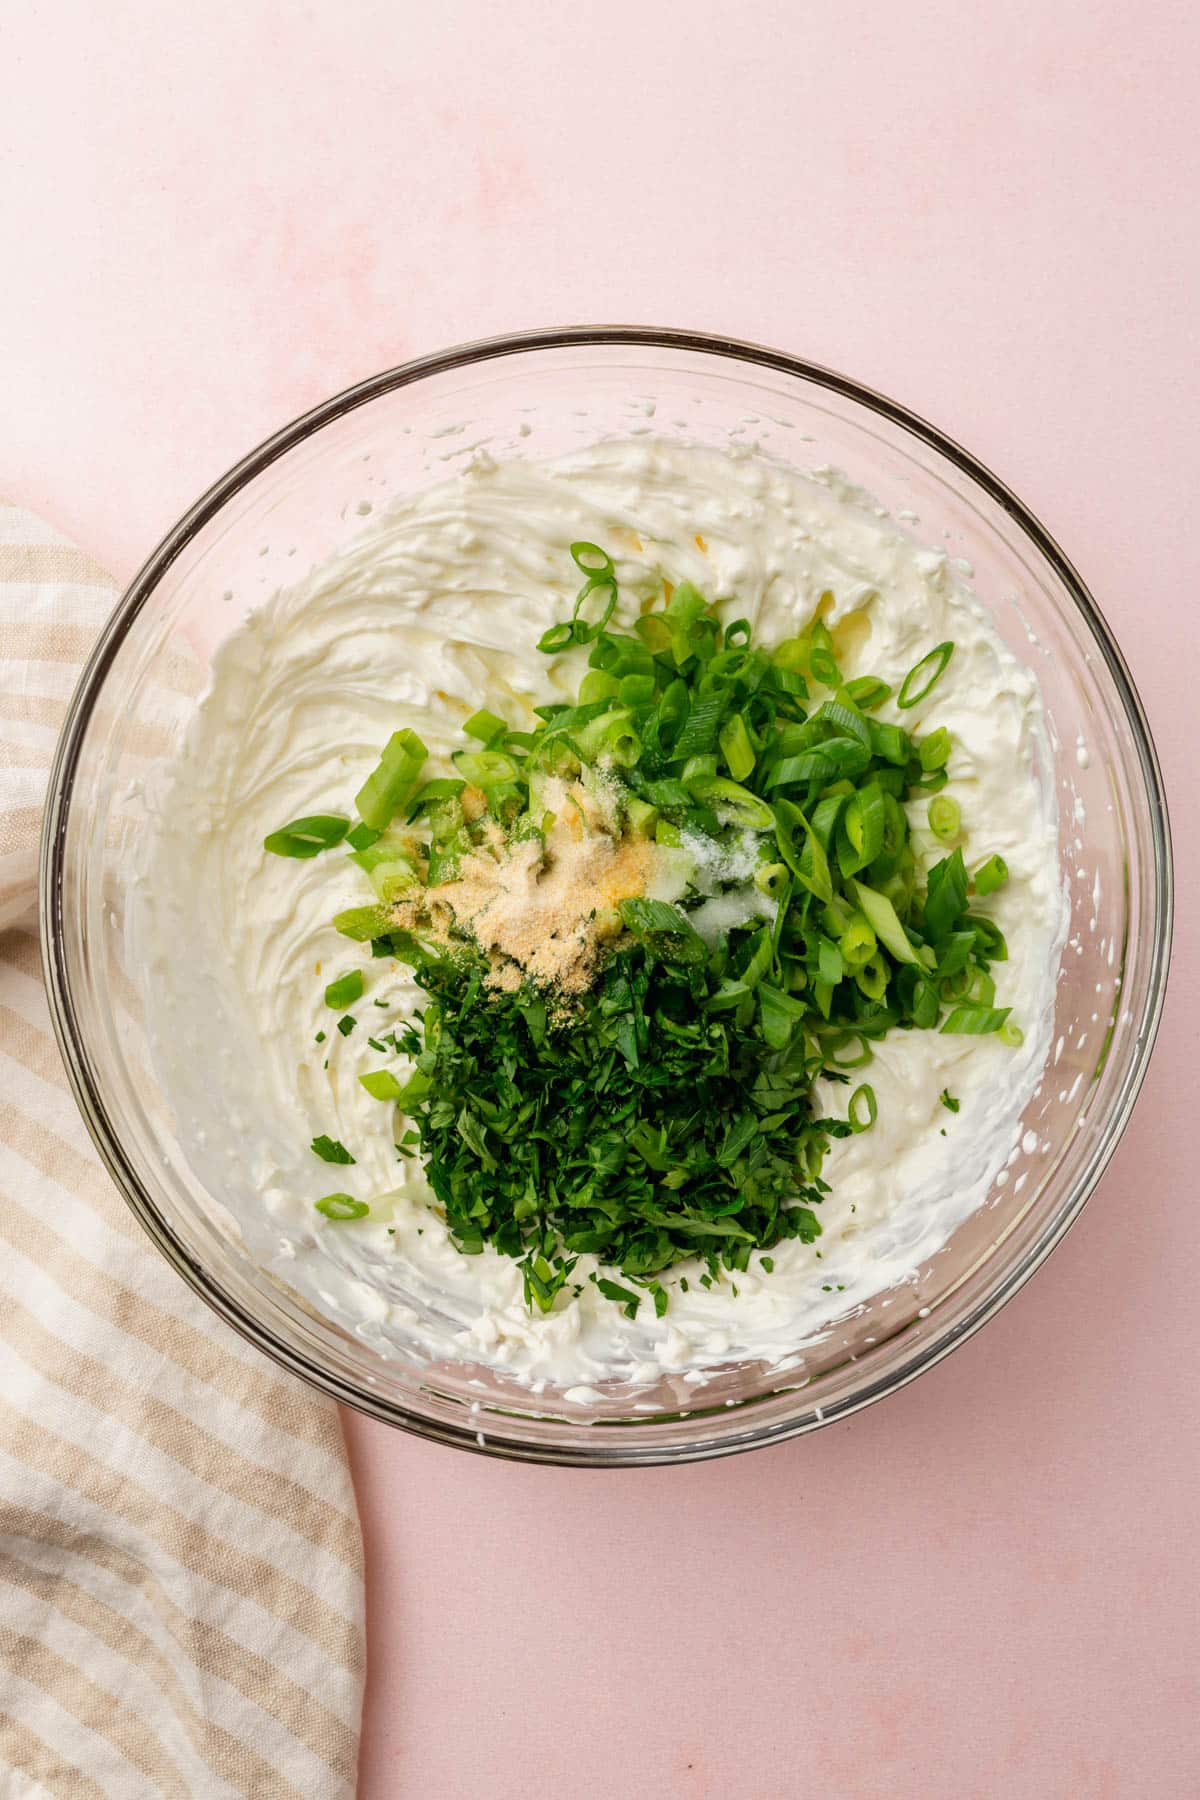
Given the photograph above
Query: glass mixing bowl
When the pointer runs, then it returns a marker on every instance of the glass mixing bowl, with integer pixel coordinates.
(298, 499)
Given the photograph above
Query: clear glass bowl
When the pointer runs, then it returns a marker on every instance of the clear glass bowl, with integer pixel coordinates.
(296, 500)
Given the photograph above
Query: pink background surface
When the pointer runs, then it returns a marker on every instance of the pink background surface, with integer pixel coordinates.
(214, 216)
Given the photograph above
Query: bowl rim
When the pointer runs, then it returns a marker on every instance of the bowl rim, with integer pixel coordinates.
(620, 1451)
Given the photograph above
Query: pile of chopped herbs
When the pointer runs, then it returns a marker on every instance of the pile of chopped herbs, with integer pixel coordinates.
(667, 1115)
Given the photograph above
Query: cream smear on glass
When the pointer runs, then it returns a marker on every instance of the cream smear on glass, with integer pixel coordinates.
(434, 611)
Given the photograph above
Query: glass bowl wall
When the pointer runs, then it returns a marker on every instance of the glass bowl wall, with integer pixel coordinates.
(302, 496)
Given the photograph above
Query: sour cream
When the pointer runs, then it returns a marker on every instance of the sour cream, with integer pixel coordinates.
(434, 611)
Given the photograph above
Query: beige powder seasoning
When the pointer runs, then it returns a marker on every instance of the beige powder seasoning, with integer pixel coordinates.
(542, 909)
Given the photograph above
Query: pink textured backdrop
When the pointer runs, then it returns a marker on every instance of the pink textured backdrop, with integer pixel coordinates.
(215, 215)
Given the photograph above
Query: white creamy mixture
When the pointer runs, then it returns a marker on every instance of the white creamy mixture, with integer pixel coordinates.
(433, 612)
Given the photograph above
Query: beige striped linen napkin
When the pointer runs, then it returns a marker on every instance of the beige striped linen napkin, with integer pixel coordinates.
(181, 1594)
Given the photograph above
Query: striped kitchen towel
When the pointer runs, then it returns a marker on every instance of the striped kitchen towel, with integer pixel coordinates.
(181, 1595)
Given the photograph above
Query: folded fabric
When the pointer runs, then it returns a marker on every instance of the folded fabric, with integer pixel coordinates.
(181, 1596)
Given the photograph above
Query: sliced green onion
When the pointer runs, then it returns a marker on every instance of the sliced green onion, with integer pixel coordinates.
(934, 750)
(955, 987)
(673, 707)
(981, 990)
(388, 861)
(884, 922)
(835, 759)
(392, 880)
(611, 734)
(381, 1084)
(641, 819)
(557, 637)
(792, 655)
(485, 768)
(362, 837)
(654, 632)
(945, 897)
(975, 1021)
(863, 1109)
(584, 630)
(872, 977)
(989, 939)
(696, 771)
(388, 787)
(925, 675)
(342, 1206)
(945, 818)
(618, 655)
(892, 780)
(345, 990)
(954, 952)
(666, 793)
(425, 798)
(891, 742)
(857, 943)
(636, 690)
(598, 685)
(686, 605)
(861, 829)
(926, 1004)
(828, 811)
(505, 801)
(308, 836)
(840, 1042)
(363, 922)
(1011, 1034)
(846, 721)
(485, 725)
(810, 864)
(733, 804)
(990, 875)
(699, 734)
(822, 662)
(385, 847)
(867, 692)
(736, 747)
(590, 559)
(771, 878)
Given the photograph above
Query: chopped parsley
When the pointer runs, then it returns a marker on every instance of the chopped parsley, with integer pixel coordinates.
(330, 1150)
(644, 1133)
